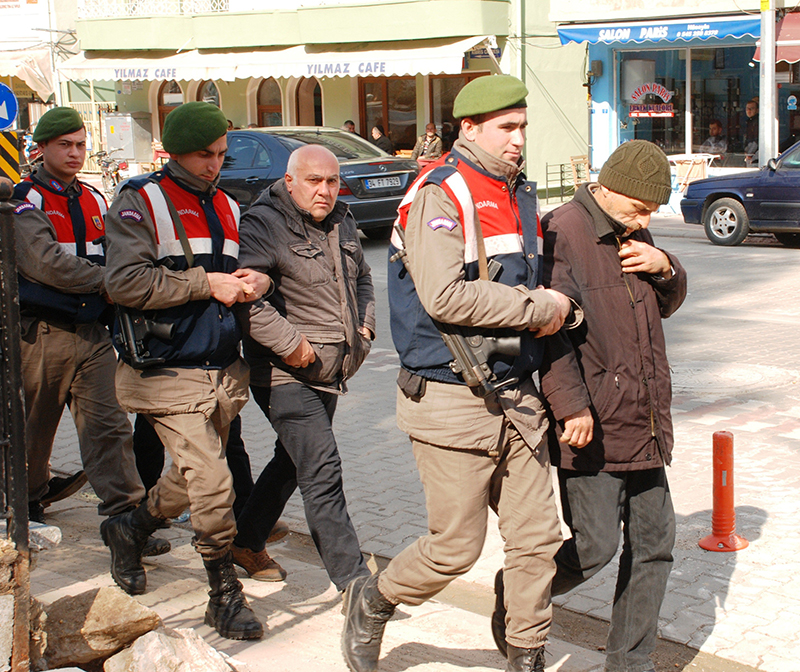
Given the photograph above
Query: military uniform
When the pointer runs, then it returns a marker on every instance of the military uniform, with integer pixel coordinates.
(173, 244)
(192, 398)
(67, 356)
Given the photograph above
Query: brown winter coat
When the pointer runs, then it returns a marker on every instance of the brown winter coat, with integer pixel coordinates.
(618, 354)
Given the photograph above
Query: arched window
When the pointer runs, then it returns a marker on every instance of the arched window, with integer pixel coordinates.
(309, 103)
(270, 112)
(170, 96)
(208, 92)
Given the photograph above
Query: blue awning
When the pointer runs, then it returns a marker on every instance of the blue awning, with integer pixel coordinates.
(662, 31)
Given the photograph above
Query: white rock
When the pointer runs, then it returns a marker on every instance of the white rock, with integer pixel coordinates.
(166, 650)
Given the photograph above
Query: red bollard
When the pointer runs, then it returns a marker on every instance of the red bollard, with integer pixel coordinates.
(723, 517)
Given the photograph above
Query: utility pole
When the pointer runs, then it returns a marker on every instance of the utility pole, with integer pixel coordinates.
(767, 106)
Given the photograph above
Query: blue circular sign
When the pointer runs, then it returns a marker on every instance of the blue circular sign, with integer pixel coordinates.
(8, 108)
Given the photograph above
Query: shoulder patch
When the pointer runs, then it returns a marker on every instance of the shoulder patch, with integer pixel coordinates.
(22, 207)
(129, 213)
(440, 222)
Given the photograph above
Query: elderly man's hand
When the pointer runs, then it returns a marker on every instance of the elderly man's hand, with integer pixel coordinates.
(578, 428)
(639, 257)
(301, 356)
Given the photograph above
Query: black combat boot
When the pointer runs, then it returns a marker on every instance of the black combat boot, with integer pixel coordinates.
(125, 535)
(228, 612)
(366, 611)
(499, 614)
(525, 660)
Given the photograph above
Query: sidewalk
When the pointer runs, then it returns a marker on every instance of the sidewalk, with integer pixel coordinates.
(736, 366)
(303, 615)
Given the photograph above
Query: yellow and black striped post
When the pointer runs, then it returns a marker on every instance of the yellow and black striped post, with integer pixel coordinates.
(9, 156)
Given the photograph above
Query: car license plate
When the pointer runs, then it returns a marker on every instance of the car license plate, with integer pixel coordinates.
(382, 182)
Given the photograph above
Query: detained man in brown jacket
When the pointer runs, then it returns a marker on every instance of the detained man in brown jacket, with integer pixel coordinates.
(611, 456)
(302, 344)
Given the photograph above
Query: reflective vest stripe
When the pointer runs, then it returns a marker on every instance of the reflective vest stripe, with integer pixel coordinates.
(169, 245)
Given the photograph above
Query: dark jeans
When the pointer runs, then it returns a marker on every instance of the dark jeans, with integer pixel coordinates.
(306, 456)
(149, 453)
(595, 505)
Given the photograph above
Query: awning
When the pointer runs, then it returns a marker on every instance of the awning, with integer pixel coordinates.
(787, 40)
(661, 31)
(32, 66)
(348, 60)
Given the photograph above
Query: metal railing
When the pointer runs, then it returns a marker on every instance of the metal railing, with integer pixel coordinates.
(107, 9)
(98, 9)
(13, 469)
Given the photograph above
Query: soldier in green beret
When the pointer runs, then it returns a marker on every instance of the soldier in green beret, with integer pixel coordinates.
(172, 258)
(482, 446)
(67, 356)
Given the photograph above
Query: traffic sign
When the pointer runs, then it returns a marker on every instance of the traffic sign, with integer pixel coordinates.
(8, 107)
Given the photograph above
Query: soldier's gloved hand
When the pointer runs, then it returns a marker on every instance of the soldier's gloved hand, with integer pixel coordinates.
(228, 289)
(302, 355)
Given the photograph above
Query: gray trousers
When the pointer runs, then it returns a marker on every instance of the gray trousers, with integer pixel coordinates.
(596, 507)
(74, 365)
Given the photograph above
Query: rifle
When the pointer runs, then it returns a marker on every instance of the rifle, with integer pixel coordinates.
(471, 352)
(135, 328)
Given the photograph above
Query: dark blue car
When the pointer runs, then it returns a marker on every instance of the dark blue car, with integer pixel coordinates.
(372, 182)
(732, 206)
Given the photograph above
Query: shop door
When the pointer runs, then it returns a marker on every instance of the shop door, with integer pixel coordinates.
(392, 103)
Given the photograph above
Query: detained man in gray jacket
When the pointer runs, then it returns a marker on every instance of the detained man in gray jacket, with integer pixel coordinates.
(302, 343)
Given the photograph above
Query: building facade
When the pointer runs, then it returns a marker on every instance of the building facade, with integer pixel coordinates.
(670, 75)
(322, 62)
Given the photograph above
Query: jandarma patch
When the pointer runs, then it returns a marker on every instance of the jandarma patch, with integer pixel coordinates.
(98, 222)
(131, 214)
(440, 222)
(22, 207)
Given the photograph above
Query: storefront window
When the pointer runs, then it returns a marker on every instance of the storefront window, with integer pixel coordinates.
(269, 103)
(392, 103)
(208, 93)
(170, 96)
(443, 91)
(722, 84)
(309, 102)
(652, 103)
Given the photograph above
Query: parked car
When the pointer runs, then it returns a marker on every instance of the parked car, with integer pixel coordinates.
(763, 201)
(372, 182)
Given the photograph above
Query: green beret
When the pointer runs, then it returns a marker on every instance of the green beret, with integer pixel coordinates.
(192, 127)
(489, 94)
(57, 121)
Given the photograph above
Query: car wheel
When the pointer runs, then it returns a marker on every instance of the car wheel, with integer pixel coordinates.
(378, 232)
(788, 239)
(726, 222)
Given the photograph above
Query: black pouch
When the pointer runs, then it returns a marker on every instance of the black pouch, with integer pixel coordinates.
(412, 385)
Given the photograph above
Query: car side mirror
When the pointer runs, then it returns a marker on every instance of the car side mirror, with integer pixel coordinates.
(772, 164)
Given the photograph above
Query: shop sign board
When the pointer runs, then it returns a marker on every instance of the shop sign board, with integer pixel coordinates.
(639, 109)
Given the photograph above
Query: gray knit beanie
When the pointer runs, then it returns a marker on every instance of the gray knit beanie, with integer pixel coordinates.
(638, 169)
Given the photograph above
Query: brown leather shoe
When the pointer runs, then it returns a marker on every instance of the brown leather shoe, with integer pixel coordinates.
(279, 531)
(259, 566)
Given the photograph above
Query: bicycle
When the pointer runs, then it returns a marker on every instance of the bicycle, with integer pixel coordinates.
(110, 168)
